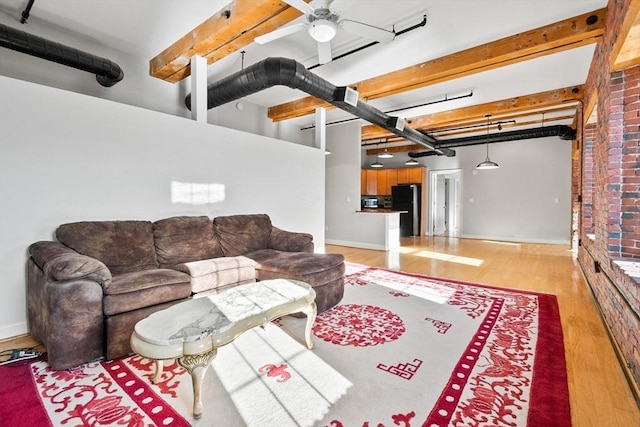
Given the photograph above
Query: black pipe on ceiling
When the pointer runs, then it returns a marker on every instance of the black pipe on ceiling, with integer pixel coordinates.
(288, 72)
(563, 131)
(107, 72)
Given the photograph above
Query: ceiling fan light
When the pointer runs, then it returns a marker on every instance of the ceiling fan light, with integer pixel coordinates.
(322, 30)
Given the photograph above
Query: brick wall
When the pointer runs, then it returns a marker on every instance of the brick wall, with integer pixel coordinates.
(610, 259)
(628, 95)
(587, 177)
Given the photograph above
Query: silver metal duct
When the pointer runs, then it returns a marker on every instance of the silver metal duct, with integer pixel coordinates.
(107, 73)
(288, 72)
(563, 131)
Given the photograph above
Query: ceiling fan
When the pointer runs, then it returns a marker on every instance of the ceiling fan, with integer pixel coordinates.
(322, 25)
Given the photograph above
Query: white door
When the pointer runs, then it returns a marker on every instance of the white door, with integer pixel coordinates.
(440, 206)
(445, 202)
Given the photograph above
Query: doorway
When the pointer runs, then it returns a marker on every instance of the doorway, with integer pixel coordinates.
(445, 204)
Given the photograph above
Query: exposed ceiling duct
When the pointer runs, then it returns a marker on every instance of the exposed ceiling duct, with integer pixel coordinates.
(288, 72)
(107, 73)
(563, 131)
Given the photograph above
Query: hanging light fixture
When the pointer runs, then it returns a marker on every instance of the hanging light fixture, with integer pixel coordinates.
(376, 164)
(487, 164)
(385, 154)
(411, 162)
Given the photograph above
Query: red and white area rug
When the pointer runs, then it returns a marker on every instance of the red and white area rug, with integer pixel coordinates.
(399, 350)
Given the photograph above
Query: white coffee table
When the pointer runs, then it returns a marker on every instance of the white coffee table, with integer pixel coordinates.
(193, 330)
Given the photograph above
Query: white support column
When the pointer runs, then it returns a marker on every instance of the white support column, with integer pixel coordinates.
(199, 89)
(320, 140)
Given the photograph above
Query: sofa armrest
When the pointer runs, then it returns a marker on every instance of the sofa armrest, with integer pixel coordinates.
(59, 263)
(290, 241)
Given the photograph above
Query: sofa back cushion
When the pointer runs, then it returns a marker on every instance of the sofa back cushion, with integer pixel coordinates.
(183, 239)
(240, 234)
(123, 246)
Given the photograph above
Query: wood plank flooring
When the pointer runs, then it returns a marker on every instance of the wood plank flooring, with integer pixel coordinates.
(600, 395)
(599, 392)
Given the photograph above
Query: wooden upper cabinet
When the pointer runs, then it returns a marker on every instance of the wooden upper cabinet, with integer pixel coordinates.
(372, 182)
(416, 175)
(403, 176)
(379, 182)
(392, 179)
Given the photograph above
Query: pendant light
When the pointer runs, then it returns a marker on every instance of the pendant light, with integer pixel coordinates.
(385, 154)
(411, 162)
(487, 164)
(376, 164)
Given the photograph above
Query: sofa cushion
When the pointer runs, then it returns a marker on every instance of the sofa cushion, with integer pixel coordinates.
(314, 269)
(240, 234)
(123, 246)
(185, 238)
(130, 291)
(210, 274)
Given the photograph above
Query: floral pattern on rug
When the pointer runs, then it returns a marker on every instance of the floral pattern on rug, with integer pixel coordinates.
(491, 382)
(358, 325)
(101, 394)
(418, 351)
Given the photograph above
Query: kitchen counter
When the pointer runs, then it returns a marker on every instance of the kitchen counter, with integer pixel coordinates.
(379, 210)
(379, 228)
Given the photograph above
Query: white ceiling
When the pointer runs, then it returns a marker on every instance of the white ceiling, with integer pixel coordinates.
(146, 27)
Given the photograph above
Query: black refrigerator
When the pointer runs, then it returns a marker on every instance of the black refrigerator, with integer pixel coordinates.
(406, 197)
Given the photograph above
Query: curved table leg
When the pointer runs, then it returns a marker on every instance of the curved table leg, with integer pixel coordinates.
(197, 366)
(158, 374)
(311, 311)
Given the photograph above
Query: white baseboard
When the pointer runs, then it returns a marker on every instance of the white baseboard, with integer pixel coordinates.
(517, 240)
(14, 330)
(354, 244)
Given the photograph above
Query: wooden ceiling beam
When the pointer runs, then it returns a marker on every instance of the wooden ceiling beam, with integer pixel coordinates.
(626, 50)
(517, 104)
(228, 31)
(557, 37)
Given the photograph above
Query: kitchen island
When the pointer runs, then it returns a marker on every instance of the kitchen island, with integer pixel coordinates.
(378, 228)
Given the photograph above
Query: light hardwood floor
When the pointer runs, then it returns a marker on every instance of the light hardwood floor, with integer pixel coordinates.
(600, 395)
(599, 392)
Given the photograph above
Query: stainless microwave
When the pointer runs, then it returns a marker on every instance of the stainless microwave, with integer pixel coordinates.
(370, 203)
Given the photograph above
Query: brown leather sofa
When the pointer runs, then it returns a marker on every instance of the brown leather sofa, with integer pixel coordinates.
(87, 290)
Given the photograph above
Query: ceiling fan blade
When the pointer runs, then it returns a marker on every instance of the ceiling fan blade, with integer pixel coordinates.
(280, 32)
(365, 30)
(300, 5)
(324, 52)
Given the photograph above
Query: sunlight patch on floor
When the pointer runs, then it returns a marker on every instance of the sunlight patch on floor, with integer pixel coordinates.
(475, 262)
(501, 243)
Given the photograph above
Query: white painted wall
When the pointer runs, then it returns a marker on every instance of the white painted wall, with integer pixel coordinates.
(342, 198)
(137, 88)
(68, 157)
(528, 199)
